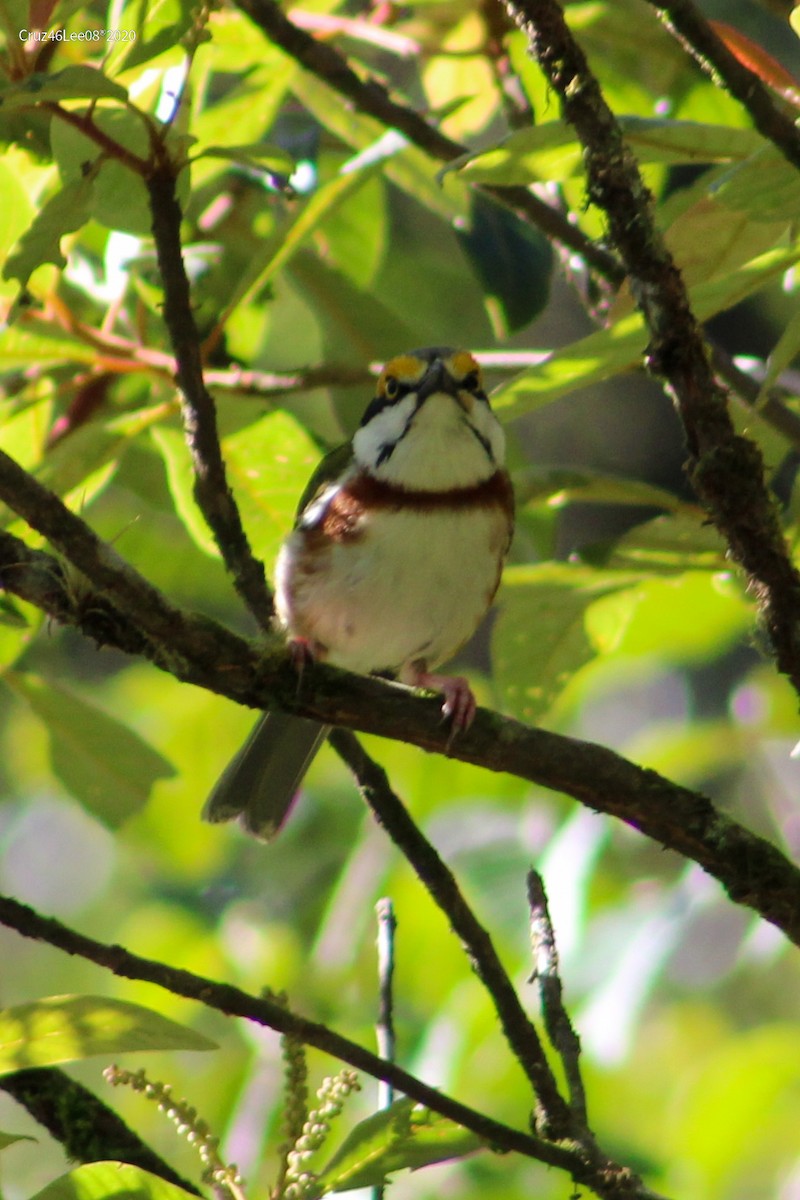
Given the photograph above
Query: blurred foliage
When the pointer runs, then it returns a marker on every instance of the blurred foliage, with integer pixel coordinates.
(314, 237)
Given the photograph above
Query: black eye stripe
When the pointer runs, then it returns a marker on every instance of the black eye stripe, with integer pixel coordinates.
(379, 403)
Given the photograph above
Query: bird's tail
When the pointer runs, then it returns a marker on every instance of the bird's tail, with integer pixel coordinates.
(260, 782)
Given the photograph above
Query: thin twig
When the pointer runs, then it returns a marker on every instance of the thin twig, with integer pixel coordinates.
(110, 607)
(727, 470)
(559, 1028)
(384, 1028)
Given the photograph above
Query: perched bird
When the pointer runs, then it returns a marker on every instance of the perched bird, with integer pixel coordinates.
(395, 556)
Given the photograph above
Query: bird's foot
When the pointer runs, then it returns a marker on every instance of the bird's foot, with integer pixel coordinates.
(302, 654)
(459, 701)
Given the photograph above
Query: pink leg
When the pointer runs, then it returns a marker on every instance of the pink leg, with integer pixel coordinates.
(459, 702)
(303, 653)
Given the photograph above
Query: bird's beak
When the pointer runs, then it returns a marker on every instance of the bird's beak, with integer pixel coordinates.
(437, 380)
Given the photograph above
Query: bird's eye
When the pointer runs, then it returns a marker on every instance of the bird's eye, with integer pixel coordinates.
(391, 387)
(472, 382)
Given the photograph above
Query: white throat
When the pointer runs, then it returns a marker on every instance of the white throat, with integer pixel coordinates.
(438, 447)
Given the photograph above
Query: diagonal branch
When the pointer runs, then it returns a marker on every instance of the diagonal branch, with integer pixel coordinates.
(86, 1127)
(233, 1002)
(203, 652)
(442, 886)
(212, 492)
(697, 36)
(727, 470)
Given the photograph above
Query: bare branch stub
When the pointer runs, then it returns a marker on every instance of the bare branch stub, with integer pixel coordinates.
(545, 974)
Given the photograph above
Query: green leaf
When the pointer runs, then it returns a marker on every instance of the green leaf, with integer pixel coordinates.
(158, 25)
(782, 355)
(604, 354)
(559, 488)
(20, 345)
(540, 639)
(58, 1029)
(9, 1139)
(513, 262)
(253, 154)
(171, 445)
(111, 1181)
(16, 214)
(766, 185)
(672, 544)
(316, 210)
(267, 464)
(73, 83)
(551, 152)
(405, 1135)
(406, 166)
(119, 197)
(108, 767)
(63, 213)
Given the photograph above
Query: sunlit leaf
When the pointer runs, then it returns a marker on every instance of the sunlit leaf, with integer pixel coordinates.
(155, 27)
(267, 463)
(540, 638)
(73, 83)
(20, 346)
(104, 1180)
(403, 1136)
(766, 185)
(558, 488)
(119, 198)
(551, 151)
(604, 354)
(61, 1029)
(63, 213)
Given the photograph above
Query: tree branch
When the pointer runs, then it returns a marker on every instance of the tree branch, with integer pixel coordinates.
(694, 32)
(553, 1118)
(607, 1179)
(727, 470)
(212, 493)
(203, 652)
(171, 638)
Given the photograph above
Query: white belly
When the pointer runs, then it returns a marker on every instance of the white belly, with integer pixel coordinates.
(413, 587)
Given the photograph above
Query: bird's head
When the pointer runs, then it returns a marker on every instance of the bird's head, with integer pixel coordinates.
(430, 427)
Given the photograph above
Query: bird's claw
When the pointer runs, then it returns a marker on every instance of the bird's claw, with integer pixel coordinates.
(301, 655)
(459, 706)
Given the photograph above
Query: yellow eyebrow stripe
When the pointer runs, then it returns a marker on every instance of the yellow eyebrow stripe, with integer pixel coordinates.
(405, 367)
(462, 363)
